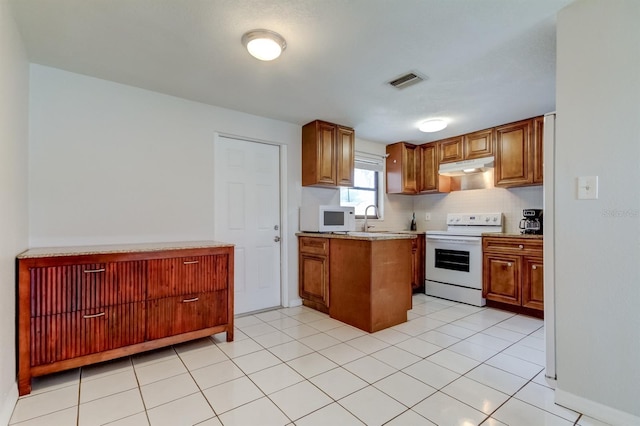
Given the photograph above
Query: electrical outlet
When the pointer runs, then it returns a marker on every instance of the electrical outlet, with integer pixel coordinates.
(588, 188)
(427, 217)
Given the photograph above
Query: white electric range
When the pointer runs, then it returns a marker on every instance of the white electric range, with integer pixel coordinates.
(454, 257)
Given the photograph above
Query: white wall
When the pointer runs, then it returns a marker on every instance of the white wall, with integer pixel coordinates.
(598, 241)
(511, 202)
(14, 90)
(111, 163)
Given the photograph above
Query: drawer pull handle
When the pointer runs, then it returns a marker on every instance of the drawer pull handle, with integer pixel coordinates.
(520, 246)
(93, 271)
(195, 299)
(534, 267)
(190, 262)
(101, 314)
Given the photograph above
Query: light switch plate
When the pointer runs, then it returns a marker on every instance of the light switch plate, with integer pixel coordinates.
(427, 216)
(588, 188)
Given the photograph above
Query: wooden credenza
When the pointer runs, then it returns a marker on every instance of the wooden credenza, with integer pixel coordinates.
(82, 305)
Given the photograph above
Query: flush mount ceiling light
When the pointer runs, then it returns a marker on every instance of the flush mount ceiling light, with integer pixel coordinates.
(434, 125)
(265, 45)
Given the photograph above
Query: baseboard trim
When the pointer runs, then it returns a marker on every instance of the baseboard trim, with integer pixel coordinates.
(8, 404)
(295, 302)
(596, 410)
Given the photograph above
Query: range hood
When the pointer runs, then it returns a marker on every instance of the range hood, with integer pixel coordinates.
(466, 167)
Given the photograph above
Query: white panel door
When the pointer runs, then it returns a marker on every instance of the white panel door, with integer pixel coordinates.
(247, 214)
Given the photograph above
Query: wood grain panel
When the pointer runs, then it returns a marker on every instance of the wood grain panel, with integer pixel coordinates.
(71, 288)
(175, 315)
(187, 275)
(73, 334)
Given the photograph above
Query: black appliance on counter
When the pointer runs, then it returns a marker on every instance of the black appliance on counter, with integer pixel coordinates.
(532, 222)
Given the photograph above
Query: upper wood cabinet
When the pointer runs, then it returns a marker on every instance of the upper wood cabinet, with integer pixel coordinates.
(467, 147)
(429, 180)
(451, 150)
(402, 167)
(538, 153)
(413, 169)
(327, 154)
(479, 144)
(519, 153)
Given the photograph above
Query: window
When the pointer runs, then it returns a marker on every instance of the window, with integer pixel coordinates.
(366, 187)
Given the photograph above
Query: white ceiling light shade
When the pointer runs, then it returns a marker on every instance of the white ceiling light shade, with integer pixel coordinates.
(434, 125)
(265, 45)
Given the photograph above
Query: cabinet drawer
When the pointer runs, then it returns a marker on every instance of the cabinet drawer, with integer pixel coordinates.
(176, 315)
(187, 275)
(70, 288)
(512, 245)
(313, 245)
(73, 334)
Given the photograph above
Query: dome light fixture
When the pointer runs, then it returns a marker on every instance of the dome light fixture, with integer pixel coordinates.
(265, 45)
(433, 125)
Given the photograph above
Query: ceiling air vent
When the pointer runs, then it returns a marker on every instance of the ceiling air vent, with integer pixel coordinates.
(406, 80)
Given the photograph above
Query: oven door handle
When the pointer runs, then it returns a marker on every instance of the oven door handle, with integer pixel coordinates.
(456, 240)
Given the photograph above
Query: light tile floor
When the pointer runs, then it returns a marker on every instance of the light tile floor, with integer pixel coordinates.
(450, 364)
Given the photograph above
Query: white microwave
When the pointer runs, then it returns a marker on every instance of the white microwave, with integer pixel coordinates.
(315, 218)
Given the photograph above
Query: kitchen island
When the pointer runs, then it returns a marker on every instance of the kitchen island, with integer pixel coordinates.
(361, 278)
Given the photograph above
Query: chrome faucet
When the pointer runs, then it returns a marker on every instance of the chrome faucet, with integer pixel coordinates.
(365, 227)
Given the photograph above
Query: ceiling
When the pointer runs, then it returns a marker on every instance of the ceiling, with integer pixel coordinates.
(487, 62)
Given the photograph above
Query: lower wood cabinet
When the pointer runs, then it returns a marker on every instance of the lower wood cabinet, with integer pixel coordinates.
(78, 306)
(313, 261)
(364, 282)
(513, 272)
(418, 247)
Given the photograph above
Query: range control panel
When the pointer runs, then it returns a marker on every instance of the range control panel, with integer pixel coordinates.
(472, 219)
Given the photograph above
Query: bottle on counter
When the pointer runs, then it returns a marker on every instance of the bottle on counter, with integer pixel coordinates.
(413, 222)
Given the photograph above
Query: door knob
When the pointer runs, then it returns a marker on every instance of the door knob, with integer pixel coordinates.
(276, 239)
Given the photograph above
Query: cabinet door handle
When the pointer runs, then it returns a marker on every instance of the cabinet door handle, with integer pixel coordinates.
(509, 264)
(534, 267)
(93, 271)
(195, 299)
(520, 246)
(190, 262)
(101, 314)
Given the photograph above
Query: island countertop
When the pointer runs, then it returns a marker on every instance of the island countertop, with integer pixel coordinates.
(508, 235)
(367, 236)
(117, 248)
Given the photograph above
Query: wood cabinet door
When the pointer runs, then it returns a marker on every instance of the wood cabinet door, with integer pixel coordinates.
(533, 283)
(318, 154)
(345, 156)
(479, 144)
(451, 150)
(428, 169)
(513, 148)
(418, 263)
(401, 165)
(501, 281)
(314, 278)
(409, 169)
(538, 150)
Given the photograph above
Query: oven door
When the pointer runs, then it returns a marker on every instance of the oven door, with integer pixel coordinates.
(454, 260)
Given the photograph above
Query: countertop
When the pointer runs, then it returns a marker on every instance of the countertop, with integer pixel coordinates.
(117, 248)
(368, 236)
(508, 235)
